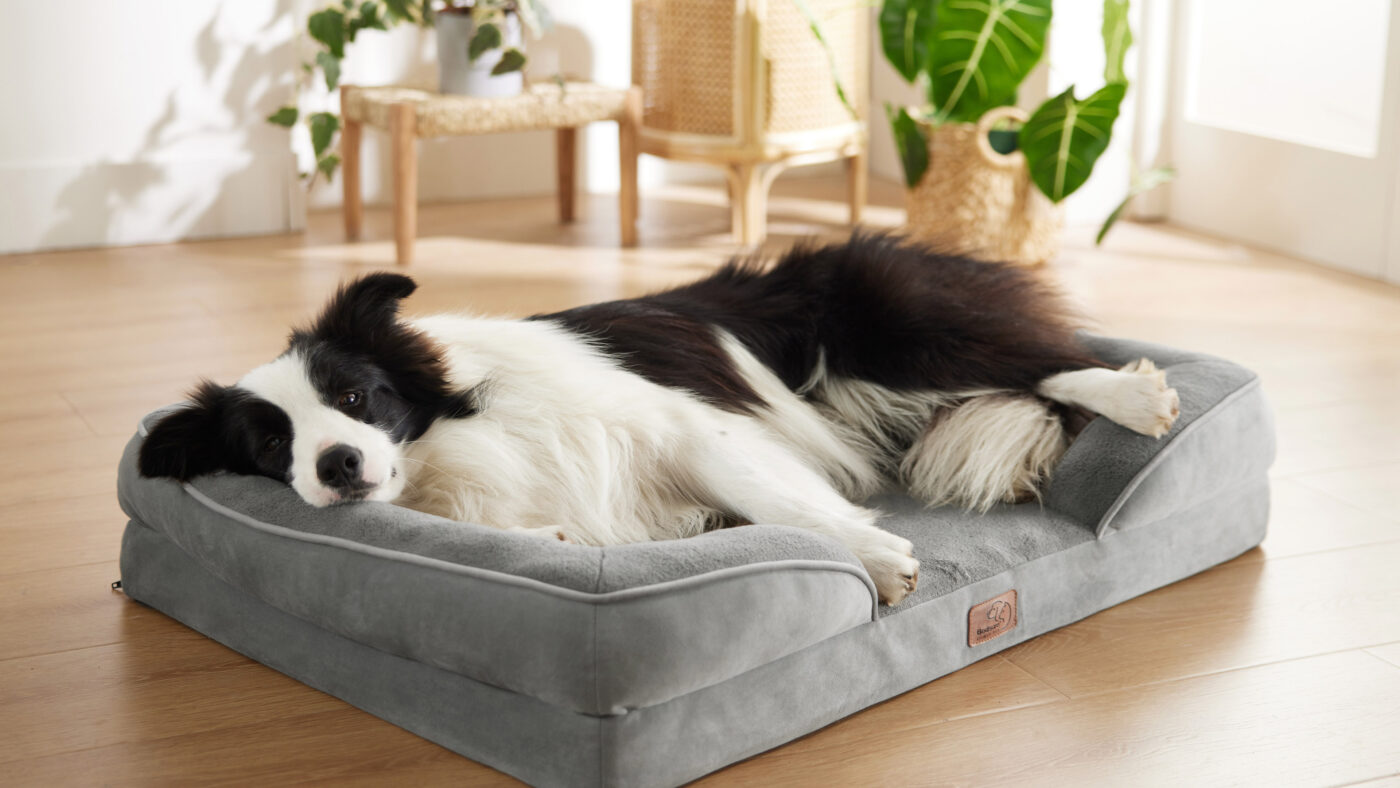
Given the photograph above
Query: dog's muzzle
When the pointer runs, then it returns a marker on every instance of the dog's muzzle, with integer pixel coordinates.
(341, 468)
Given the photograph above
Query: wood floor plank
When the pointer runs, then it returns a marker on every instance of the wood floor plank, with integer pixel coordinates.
(1319, 721)
(1390, 652)
(51, 534)
(1340, 435)
(60, 469)
(1303, 520)
(986, 687)
(56, 610)
(142, 690)
(341, 746)
(1240, 614)
(1372, 488)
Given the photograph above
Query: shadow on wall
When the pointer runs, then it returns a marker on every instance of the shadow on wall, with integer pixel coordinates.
(209, 165)
(205, 163)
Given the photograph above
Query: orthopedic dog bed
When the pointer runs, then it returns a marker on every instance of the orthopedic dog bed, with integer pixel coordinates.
(653, 664)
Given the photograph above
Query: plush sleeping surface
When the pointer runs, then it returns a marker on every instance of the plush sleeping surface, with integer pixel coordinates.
(956, 547)
(1092, 486)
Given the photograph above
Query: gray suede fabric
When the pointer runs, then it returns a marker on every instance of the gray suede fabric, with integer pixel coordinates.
(654, 664)
(569, 647)
(1090, 482)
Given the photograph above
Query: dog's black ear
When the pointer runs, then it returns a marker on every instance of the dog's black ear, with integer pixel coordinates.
(190, 441)
(363, 307)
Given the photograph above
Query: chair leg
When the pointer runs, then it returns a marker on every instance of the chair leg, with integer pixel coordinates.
(403, 136)
(628, 149)
(352, 203)
(748, 200)
(565, 152)
(857, 175)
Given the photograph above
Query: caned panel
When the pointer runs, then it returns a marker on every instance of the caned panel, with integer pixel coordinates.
(684, 54)
(801, 95)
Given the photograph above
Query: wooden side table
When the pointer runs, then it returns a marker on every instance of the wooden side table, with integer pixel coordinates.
(409, 114)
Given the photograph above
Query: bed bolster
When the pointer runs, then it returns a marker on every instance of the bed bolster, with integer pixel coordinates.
(590, 629)
(1113, 478)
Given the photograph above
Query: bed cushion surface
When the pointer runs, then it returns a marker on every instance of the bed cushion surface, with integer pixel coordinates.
(652, 664)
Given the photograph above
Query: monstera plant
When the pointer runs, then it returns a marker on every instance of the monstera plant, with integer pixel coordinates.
(970, 56)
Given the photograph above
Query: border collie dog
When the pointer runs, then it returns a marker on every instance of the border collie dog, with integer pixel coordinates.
(774, 394)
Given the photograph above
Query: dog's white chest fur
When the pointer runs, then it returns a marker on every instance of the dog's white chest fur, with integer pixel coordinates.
(564, 438)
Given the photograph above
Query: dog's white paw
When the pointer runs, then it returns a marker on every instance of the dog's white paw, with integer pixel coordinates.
(890, 562)
(1145, 403)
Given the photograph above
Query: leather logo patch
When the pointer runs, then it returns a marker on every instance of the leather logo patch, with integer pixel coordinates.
(992, 618)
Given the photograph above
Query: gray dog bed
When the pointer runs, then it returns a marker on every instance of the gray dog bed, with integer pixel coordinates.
(653, 664)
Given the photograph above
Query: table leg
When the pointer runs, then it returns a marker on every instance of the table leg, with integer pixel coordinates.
(628, 150)
(565, 157)
(857, 176)
(403, 136)
(352, 204)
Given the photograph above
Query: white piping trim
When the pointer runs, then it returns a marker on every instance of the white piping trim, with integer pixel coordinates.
(490, 575)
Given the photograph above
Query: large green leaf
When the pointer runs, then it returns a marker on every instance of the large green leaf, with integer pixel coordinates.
(906, 28)
(1117, 38)
(815, 25)
(324, 125)
(1065, 137)
(330, 66)
(1142, 182)
(328, 27)
(399, 10)
(486, 38)
(980, 53)
(285, 116)
(909, 139)
(370, 17)
(511, 60)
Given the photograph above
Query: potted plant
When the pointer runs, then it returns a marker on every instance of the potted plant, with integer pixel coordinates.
(480, 37)
(983, 176)
(479, 45)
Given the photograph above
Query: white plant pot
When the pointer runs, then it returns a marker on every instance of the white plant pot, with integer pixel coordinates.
(458, 75)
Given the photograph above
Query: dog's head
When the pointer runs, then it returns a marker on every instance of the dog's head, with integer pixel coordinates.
(328, 416)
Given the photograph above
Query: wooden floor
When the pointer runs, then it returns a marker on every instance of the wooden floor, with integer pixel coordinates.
(1281, 667)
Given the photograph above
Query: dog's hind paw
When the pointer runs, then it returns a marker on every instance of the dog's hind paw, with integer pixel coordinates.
(1146, 404)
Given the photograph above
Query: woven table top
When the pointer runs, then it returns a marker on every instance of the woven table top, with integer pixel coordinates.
(540, 106)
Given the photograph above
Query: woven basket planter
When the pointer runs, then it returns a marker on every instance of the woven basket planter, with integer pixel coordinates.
(975, 201)
(744, 84)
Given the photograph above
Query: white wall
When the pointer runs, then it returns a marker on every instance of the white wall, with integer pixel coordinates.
(141, 121)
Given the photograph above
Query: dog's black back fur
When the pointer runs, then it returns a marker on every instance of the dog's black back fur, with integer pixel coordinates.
(882, 310)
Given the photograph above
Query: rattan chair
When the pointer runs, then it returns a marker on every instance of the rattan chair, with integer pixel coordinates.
(744, 84)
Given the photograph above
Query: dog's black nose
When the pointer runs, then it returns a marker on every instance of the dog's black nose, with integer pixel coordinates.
(339, 467)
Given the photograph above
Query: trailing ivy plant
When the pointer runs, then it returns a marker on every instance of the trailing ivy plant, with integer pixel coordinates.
(970, 56)
(335, 27)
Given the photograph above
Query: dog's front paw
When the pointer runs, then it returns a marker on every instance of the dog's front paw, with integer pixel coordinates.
(1148, 405)
(890, 562)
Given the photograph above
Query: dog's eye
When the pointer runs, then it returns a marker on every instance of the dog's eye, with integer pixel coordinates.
(350, 399)
(273, 444)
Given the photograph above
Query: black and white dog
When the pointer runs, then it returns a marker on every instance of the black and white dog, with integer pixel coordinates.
(777, 395)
